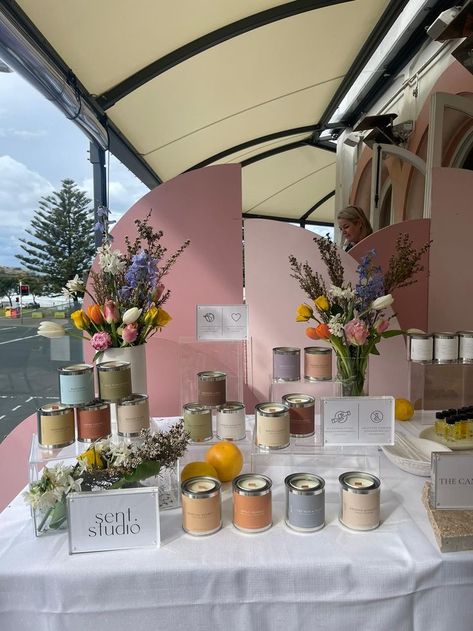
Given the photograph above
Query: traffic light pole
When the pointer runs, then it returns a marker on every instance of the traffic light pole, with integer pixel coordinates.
(21, 302)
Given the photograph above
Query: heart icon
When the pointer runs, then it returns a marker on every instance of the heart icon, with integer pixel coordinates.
(236, 317)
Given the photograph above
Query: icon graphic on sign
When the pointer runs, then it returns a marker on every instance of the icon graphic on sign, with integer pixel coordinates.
(376, 416)
(209, 316)
(341, 416)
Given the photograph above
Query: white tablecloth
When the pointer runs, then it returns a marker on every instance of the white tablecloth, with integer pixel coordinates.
(392, 578)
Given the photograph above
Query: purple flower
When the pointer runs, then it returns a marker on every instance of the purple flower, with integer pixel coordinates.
(370, 281)
(101, 341)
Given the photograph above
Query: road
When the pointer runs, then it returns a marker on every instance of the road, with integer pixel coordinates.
(28, 369)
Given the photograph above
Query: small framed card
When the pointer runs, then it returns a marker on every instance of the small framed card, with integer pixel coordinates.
(358, 420)
(451, 480)
(222, 322)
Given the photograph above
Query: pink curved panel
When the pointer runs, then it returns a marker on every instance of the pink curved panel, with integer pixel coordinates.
(14, 452)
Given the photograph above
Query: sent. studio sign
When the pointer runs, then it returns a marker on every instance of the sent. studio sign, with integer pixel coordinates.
(113, 520)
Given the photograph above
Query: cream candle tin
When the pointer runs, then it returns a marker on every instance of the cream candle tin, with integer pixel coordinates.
(301, 414)
(305, 502)
(132, 415)
(201, 506)
(198, 421)
(286, 363)
(421, 347)
(93, 421)
(114, 380)
(76, 384)
(465, 353)
(359, 500)
(445, 347)
(317, 363)
(211, 388)
(55, 425)
(272, 425)
(252, 510)
(231, 421)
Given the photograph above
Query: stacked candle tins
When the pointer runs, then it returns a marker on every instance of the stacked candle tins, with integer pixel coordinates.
(79, 413)
(212, 400)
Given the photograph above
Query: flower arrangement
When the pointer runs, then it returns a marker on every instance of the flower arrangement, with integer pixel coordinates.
(127, 292)
(352, 319)
(104, 465)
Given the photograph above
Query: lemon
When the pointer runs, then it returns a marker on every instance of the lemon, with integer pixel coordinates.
(226, 458)
(403, 410)
(193, 469)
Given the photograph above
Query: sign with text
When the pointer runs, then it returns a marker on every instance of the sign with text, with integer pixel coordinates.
(222, 322)
(113, 520)
(358, 420)
(452, 480)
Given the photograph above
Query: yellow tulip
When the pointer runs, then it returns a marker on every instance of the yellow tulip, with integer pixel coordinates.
(322, 303)
(150, 316)
(92, 459)
(162, 318)
(304, 313)
(80, 319)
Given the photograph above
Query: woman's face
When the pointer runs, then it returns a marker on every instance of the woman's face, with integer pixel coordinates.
(351, 230)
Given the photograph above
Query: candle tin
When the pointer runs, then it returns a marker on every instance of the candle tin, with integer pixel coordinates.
(76, 384)
(465, 353)
(211, 388)
(272, 425)
(317, 363)
(301, 414)
(198, 422)
(421, 347)
(55, 425)
(201, 506)
(93, 421)
(359, 500)
(231, 421)
(252, 510)
(286, 363)
(305, 502)
(114, 380)
(445, 347)
(132, 415)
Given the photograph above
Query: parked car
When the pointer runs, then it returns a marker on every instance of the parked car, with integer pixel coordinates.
(33, 305)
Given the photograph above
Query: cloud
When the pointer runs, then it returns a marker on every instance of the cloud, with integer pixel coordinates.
(24, 134)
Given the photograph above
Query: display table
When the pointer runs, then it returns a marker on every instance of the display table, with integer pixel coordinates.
(333, 580)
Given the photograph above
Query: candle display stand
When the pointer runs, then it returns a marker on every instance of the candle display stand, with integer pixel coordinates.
(434, 386)
(315, 389)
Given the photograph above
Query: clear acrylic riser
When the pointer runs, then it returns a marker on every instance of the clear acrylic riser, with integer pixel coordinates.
(440, 386)
(316, 389)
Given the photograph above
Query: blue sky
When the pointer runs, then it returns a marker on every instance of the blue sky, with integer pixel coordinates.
(40, 147)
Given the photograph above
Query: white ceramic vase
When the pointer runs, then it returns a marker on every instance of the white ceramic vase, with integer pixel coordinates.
(136, 355)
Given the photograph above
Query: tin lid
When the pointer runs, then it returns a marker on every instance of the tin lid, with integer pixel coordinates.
(449, 335)
(304, 484)
(359, 482)
(96, 404)
(76, 369)
(113, 366)
(465, 333)
(317, 350)
(297, 400)
(420, 336)
(272, 409)
(212, 375)
(196, 408)
(54, 409)
(132, 399)
(286, 350)
(252, 484)
(200, 487)
(231, 407)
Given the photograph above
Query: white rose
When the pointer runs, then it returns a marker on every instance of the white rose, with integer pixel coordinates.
(382, 302)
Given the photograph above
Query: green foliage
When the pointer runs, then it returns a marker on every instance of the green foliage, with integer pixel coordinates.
(63, 240)
(8, 286)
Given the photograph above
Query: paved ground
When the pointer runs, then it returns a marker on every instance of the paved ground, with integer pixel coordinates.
(28, 369)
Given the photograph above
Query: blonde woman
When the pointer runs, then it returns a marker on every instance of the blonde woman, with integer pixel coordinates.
(353, 225)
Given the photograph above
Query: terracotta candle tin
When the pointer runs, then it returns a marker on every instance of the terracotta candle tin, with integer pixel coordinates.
(465, 353)
(231, 421)
(76, 384)
(359, 500)
(55, 426)
(272, 425)
(252, 510)
(93, 421)
(286, 363)
(421, 347)
(132, 415)
(317, 363)
(211, 388)
(201, 506)
(445, 348)
(301, 414)
(305, 502)
(198, 422)
(114, 380)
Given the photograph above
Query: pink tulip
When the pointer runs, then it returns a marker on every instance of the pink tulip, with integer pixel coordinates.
(382, 326)
(110, 312)
(130, 333)
(356, 332)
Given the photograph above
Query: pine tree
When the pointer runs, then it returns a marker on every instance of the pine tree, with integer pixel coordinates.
(62, 229)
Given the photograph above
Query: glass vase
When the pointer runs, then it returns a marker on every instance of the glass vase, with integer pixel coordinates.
(50, 520)
(352, 375)
(169, 486)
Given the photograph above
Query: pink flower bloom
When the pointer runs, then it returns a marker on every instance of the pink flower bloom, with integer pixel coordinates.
(356, 332)
(101, 341)
(382, 326)
(130, 333)
(110, 312)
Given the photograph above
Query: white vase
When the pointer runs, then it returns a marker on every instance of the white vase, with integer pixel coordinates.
(136, 356)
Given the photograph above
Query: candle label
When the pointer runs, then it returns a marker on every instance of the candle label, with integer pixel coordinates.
(452, 480)
(272, 432)
(358, 420)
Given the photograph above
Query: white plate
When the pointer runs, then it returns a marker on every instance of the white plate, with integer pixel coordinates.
(398, 455)
(454, 445)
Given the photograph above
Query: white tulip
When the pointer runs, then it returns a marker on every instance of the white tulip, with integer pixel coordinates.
(382, 302)
(131, 315)
(51, 329)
